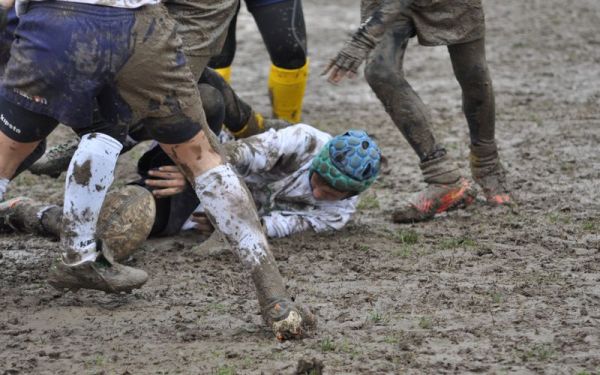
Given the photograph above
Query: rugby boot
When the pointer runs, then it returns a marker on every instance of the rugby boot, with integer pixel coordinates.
(287, 319)
(446, 190)
(102, 274)
(489, 173)
(56, 160)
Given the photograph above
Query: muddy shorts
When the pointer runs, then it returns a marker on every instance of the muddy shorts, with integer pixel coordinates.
(6, 38)
(252, 4)
(65, 55)
(440, 22)
(203, 27)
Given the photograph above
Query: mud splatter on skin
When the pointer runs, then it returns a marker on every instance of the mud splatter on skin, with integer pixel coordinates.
(82, 173)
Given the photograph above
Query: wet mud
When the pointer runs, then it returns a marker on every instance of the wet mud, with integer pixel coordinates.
(475, 291)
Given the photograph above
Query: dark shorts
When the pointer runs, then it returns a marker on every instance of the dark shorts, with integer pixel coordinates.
(6, 38)
(66, 55)
(251, 4)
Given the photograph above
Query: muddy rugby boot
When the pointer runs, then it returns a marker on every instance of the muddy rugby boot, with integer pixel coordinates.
(56, 160)
(23, 214)
(489, 173)
(7, 214)
(446, 190)
(102, 274)
(288, 320)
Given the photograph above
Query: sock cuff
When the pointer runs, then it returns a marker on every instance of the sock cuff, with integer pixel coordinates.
(109, 143)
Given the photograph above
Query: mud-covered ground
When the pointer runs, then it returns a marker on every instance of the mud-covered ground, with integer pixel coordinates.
(481, 290)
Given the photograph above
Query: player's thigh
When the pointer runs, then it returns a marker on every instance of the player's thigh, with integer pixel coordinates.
(56, 66)
(156, 80)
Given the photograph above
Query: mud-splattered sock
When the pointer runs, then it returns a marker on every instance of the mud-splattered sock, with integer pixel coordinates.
(230, 208)
(3, 187)
(89, 176)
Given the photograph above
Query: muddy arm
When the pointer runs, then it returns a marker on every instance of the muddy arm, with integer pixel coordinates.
(319, 219)
(368, 35)
(287, 149)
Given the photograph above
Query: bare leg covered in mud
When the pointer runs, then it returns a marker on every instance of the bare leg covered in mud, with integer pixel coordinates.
(471, 71)
(446, 189)
(230, 208)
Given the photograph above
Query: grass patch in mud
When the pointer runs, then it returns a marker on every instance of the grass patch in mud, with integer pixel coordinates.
(329, 345)
(558, 218)
(590, 225)
(456, 242)
(537, 352)
(225, 370)
(368, 202)
(425, 322)
(378, 318)
(407, 238)
(403, 236)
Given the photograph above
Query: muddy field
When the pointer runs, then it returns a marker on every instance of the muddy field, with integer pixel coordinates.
(477, 291)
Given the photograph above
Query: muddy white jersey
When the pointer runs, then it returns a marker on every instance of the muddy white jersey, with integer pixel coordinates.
(276, 167)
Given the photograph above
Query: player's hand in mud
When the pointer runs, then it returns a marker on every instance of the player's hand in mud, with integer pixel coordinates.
(167, 181)
(350, 58)
(203, 225)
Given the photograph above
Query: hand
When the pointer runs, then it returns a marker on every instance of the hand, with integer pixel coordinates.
(349, 59)
(170, 181)
(203, 225)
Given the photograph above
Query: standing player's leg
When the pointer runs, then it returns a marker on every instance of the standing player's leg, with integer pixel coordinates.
(178, 123)
(21, 131)
(384, 73)
(282, 27)
(471, 70)
(221, 63)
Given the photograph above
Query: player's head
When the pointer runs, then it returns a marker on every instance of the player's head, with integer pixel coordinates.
(347, 165)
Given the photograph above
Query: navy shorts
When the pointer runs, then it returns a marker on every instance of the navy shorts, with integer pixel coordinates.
(66, 55)
(6, 38)
(251, 4)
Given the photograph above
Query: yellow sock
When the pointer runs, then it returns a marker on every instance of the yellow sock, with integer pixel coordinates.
(286, 89)
(255, 125)
(225, 73)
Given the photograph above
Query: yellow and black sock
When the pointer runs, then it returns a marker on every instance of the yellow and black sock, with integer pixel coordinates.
(286, 89)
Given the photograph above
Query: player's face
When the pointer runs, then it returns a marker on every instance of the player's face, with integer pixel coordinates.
(322, 191)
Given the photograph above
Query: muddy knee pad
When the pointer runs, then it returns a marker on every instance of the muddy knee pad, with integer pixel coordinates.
(177, 128)
(214, 107)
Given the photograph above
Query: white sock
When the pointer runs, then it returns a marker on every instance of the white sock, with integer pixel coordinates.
(89, 176)
(229, 206)
(3, 186)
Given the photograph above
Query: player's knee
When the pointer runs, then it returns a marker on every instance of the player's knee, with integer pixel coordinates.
(379, 72)
(175, 129)
(293, 58)
(475, 76)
